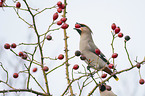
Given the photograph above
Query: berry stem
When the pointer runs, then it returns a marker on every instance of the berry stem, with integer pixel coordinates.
(127, 53)
(139, 73)
(112, 44)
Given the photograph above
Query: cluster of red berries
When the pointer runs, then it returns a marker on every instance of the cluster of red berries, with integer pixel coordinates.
(104, 87)
(45, 68)
(18, 4)
(13, 45)
(8, 46)
(116, 30)
(114, 55)
(78, 53)
(63, 20)
(23, 55)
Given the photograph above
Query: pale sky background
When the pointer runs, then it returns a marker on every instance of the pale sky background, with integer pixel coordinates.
(98, 15)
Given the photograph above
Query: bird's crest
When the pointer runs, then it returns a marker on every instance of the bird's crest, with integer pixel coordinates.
(83, 25)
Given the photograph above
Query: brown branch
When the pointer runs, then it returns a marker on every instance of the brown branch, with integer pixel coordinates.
(24, 90)
(39, 45)
(119, 72)
(66, 52)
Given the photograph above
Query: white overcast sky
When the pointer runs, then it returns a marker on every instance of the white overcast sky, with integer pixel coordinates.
(98, 15)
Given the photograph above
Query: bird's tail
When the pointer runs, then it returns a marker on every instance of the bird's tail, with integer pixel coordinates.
(106, 69)
(115, 77)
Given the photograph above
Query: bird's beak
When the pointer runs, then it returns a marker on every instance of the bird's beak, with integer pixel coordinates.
(78, 30)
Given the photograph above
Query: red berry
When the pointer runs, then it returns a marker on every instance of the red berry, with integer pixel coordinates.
(59, 10)
(113, 26)
(97, 51)
(55, 16)
(18, 4)
(77, 53)
(7, 46)
(45, 68)
(24, 56)
(48, 37)
(62, 6)
(138, 65)
(127, 38)
(21, 54)
(13, 45)
(117, 30)
(114, 55)
(61, 56)
(82, 57)
(120, 35)
(64, 26)
(59, 22)
(104, 75)
(2, 0)
(1, 4)
(59, 3)
(34, 69)
(111, 66)
(76, 66)
(63, 19)
(108, 87)
(77, 25)
(15, 75)
(141, 81)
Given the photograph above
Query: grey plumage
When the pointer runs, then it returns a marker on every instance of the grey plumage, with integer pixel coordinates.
(87, 48)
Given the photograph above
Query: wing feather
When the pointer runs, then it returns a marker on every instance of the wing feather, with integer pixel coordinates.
(92, 49)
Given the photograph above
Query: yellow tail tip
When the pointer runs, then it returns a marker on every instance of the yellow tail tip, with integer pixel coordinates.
(117, 79)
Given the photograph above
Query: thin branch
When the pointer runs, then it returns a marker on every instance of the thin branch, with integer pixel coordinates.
(28, 81)
(122, 71)
(40, 48)
(127, 53)
(6, 84)
(59, 65)
(22, 18)
(44, 10)
(34, 80)
(24, 90)
(5, 71)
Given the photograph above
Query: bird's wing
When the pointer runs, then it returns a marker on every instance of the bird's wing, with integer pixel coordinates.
(92, 49)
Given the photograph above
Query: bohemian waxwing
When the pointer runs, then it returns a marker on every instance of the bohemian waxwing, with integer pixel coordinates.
(87, 48)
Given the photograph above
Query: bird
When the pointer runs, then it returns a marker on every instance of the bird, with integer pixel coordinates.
(87, 48)
(104, 92)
